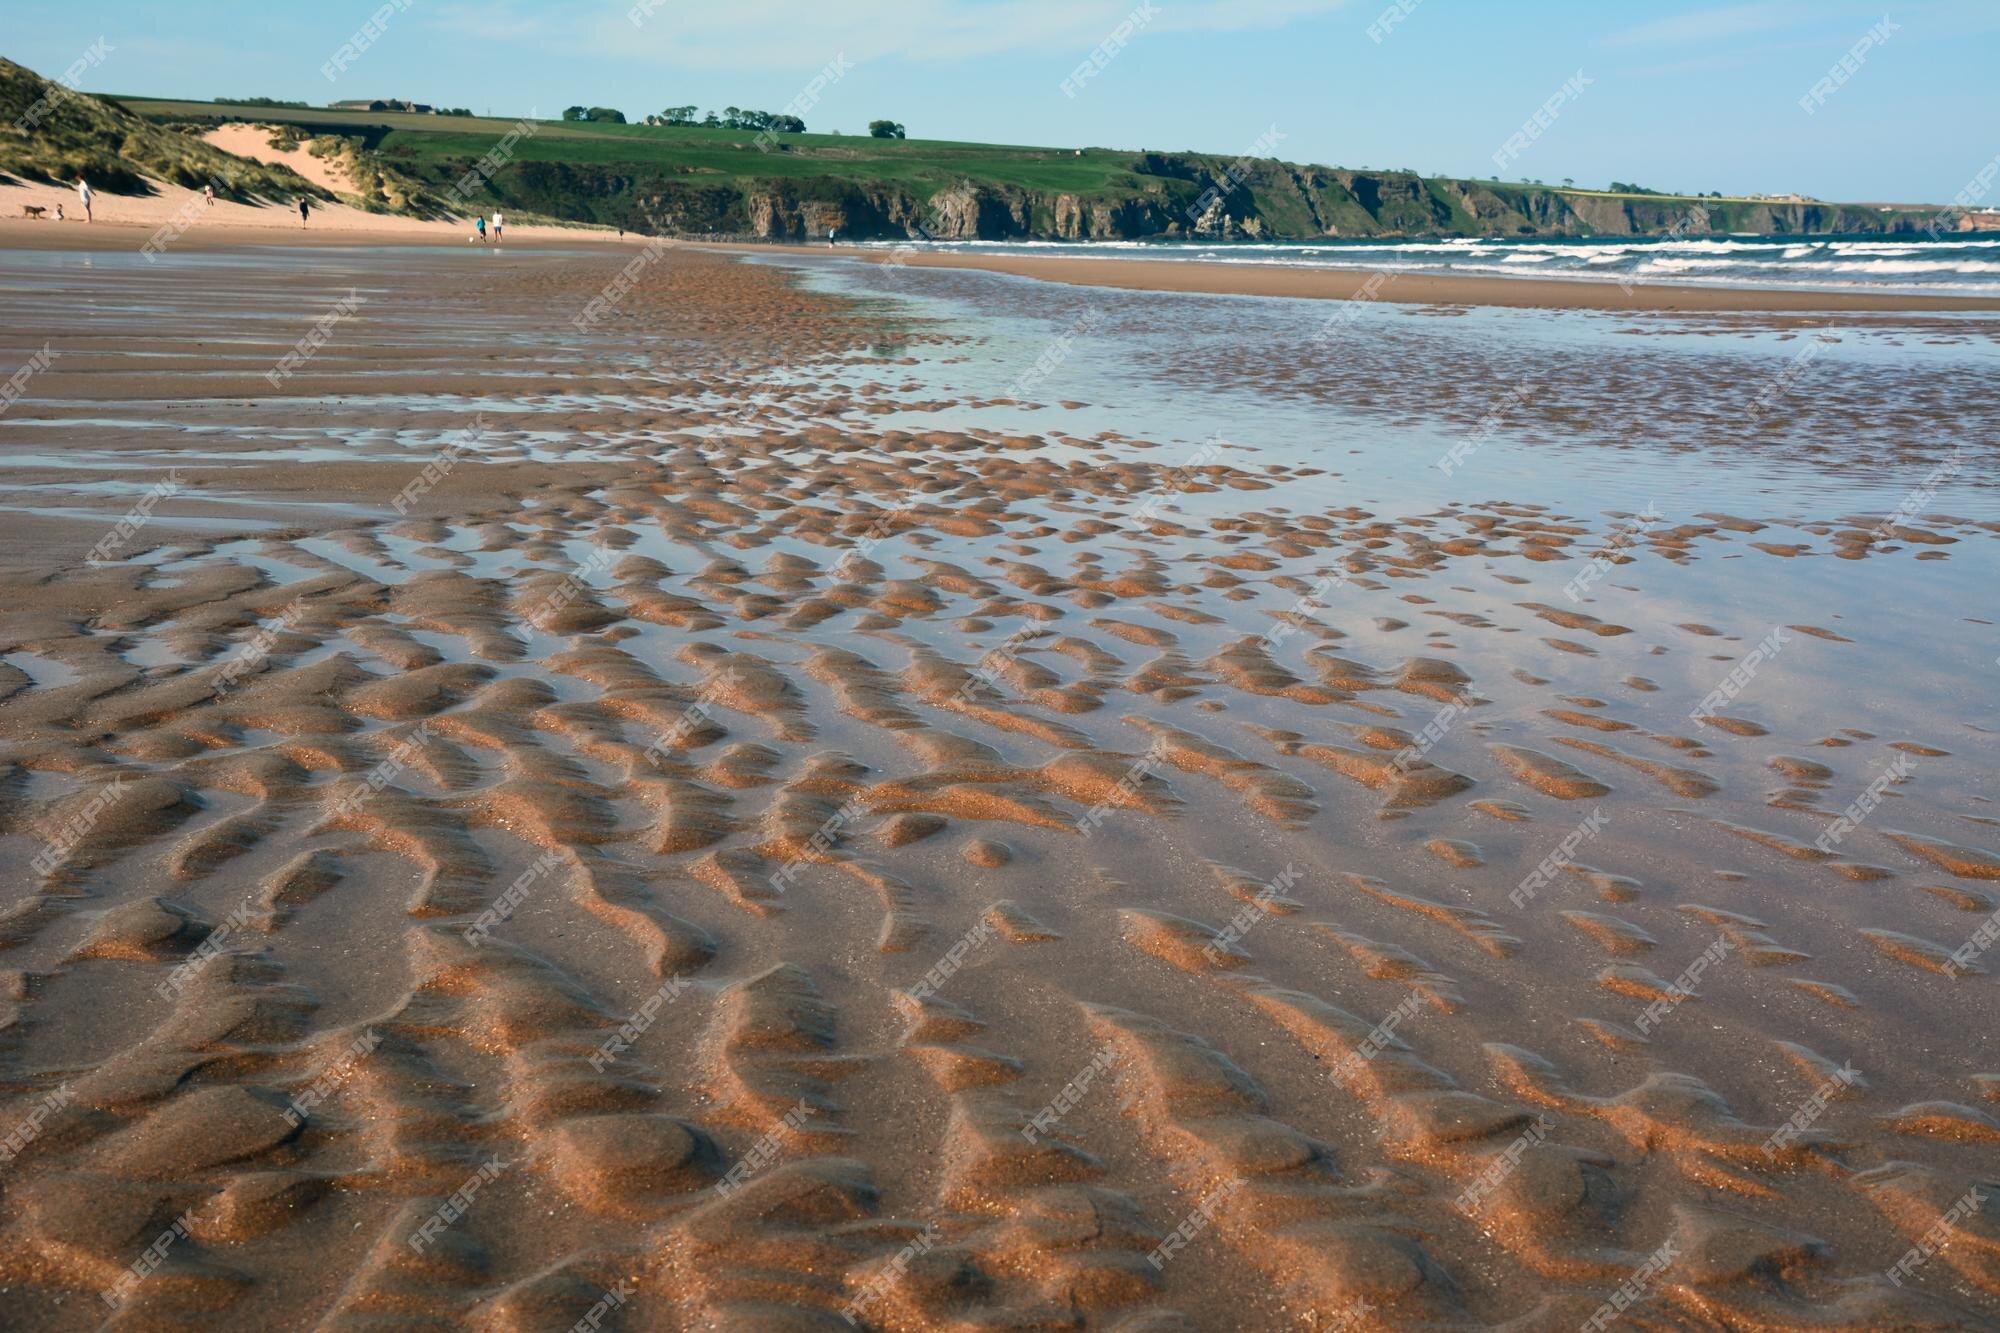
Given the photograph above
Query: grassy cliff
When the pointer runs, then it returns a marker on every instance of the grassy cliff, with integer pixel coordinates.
(694, 181)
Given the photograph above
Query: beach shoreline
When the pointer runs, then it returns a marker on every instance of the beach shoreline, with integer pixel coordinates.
(338, 225)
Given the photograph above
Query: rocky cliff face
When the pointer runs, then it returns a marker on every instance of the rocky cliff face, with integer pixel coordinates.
(1078, 219)
(974, 212)
(782, 213)
(1167, 196)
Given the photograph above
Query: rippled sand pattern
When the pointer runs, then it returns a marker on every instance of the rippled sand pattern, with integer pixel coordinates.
(726, 859)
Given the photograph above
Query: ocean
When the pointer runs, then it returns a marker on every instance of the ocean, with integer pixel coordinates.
(1968, 265)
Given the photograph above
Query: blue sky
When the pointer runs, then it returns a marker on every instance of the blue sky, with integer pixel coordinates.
(1679, 96)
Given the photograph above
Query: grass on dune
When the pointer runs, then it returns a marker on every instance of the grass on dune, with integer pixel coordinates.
(48, 133)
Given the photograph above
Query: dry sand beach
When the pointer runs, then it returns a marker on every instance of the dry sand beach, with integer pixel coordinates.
(182, 217)
(656, 789)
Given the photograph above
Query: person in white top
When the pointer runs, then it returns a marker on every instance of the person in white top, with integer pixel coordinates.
(208, 193)
(83, 194)
(498, 222)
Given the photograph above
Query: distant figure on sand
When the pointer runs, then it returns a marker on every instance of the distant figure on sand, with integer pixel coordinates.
(59, 213)
(829, 238)
(480, 222)
(208, 193)
(83, 194)
(305, 206)
(498, 221)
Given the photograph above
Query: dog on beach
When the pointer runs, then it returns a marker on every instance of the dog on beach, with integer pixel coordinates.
(35, 211)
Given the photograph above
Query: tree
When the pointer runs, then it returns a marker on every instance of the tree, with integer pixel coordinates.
(1569, 182)
(711, 121)
(576, 113)
(744, 118)
(678, 115)
(885, 129)
(605, 115)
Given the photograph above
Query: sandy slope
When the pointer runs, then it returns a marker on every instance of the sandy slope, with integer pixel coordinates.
(254, 142)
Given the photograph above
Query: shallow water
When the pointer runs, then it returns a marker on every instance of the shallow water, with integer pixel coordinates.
(1355, 387)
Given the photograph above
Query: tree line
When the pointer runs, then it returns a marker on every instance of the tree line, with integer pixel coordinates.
(730, 118)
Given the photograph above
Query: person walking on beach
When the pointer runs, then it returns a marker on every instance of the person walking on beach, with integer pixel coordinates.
(480, 222)
(305, 205)
(83, 194)
(59, 213)
(498, 222)
(208, 193)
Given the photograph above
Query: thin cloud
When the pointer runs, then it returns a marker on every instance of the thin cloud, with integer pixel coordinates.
(779, 34)
(1707, 25)
(492, 23)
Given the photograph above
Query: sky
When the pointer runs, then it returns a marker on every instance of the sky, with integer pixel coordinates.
(1739, 98)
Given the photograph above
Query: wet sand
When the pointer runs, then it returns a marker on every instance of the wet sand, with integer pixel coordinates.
(783, 808)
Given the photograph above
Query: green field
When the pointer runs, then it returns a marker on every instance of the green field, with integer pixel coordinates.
(686, 149)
